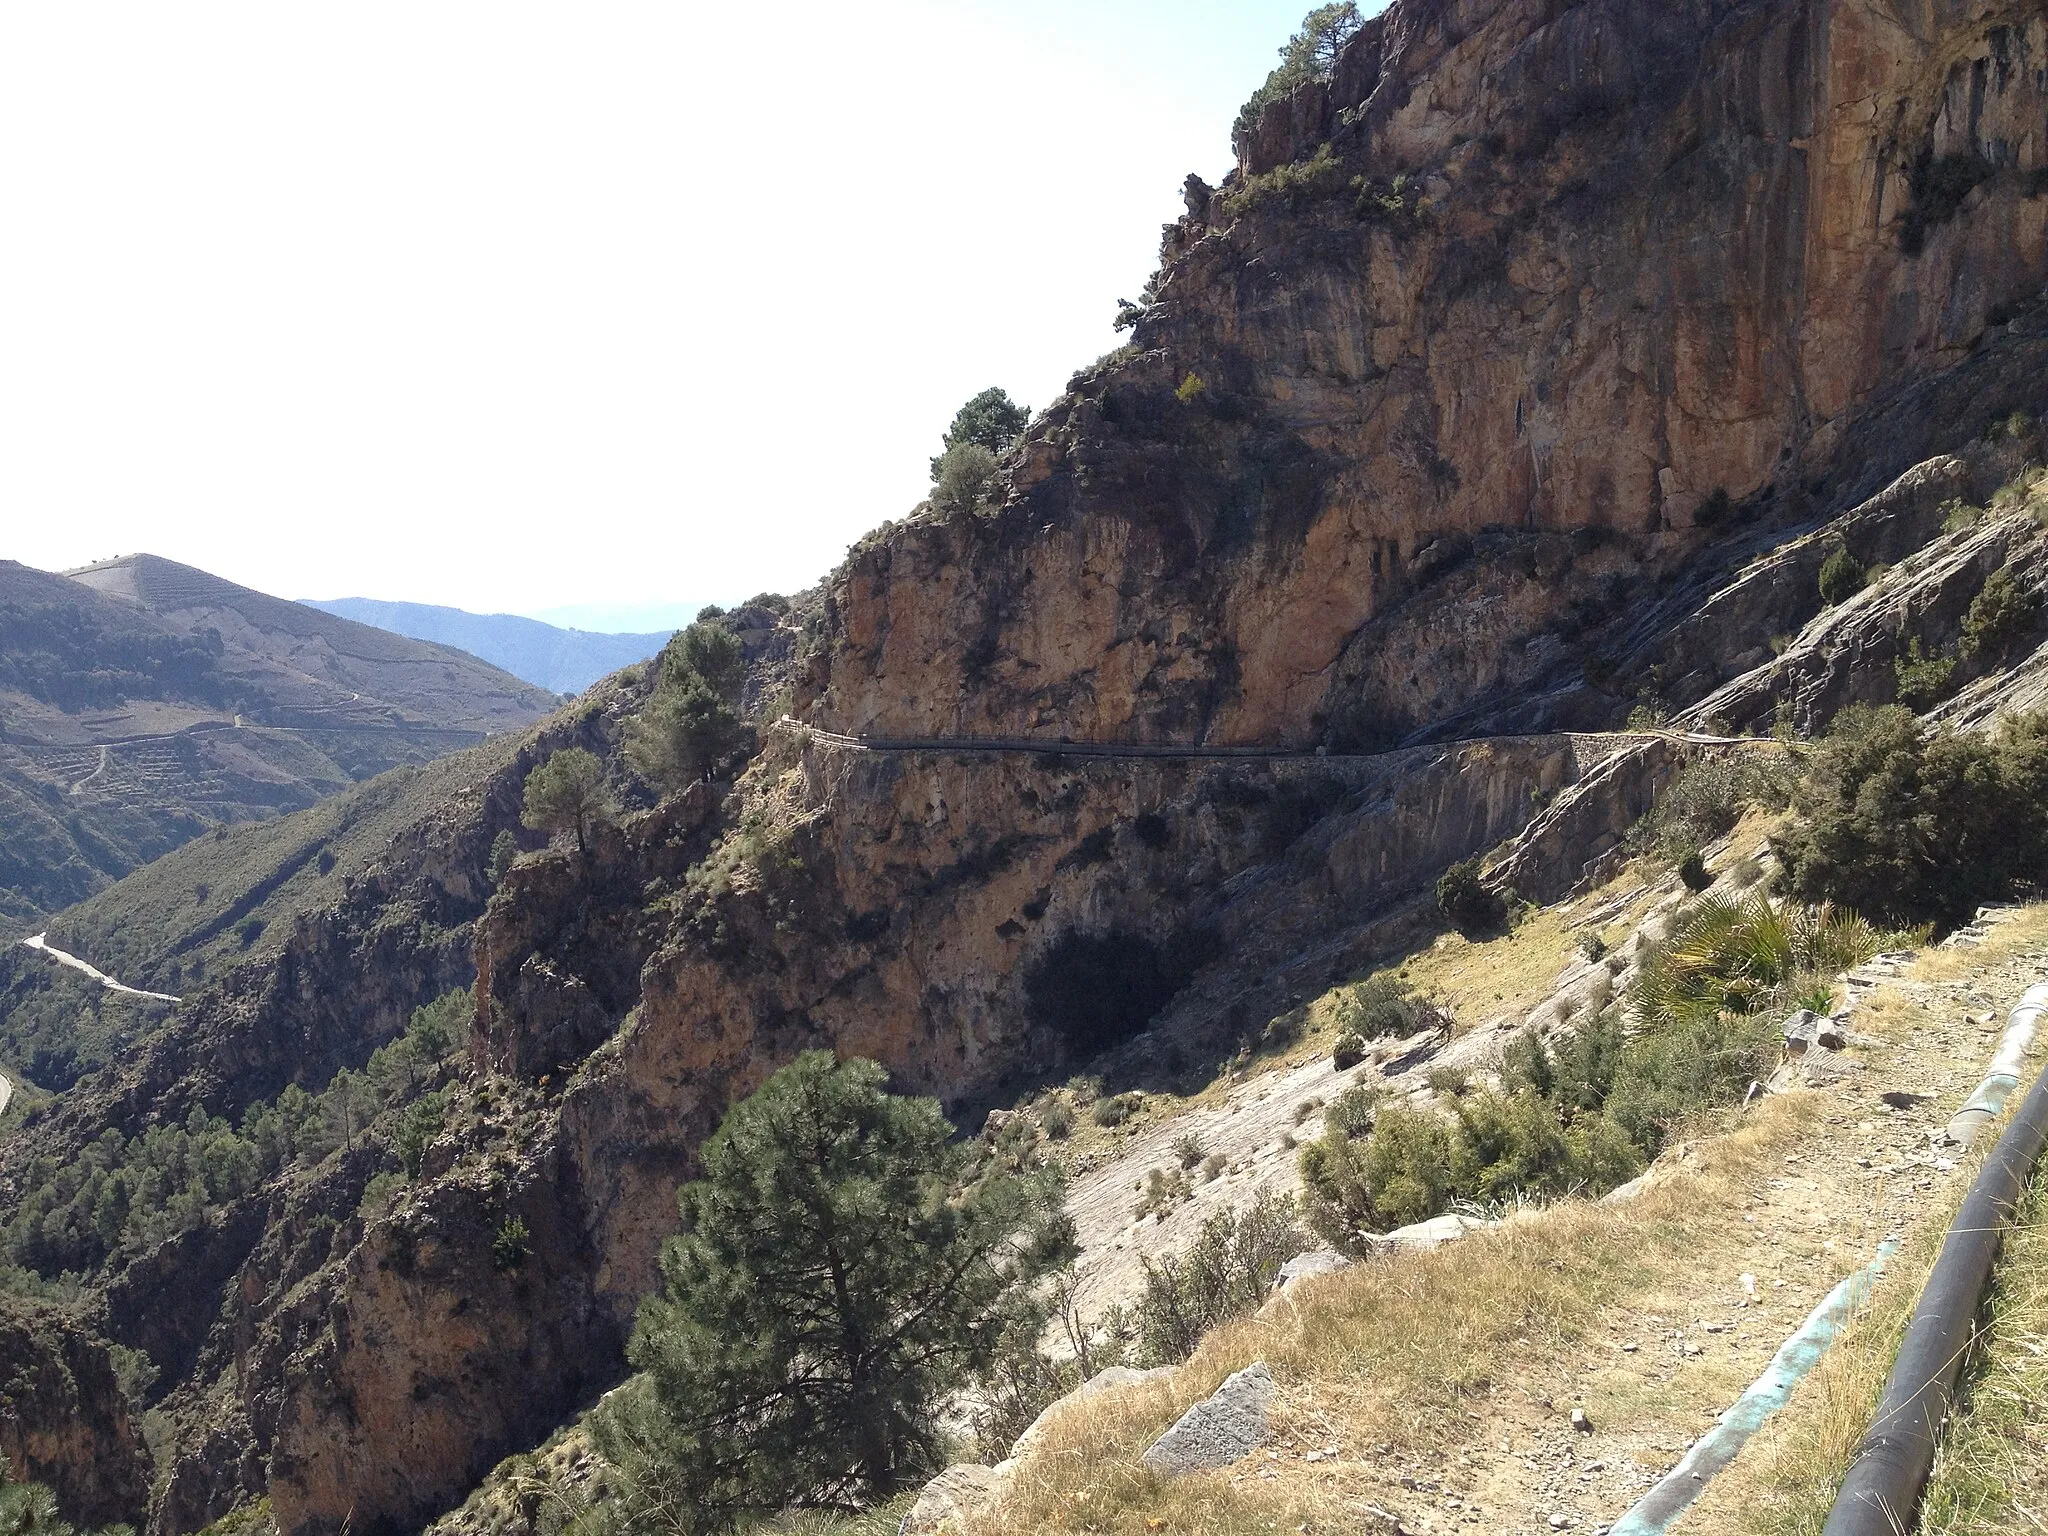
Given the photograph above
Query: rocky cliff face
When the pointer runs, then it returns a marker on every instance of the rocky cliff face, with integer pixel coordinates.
(64, 1420)
(1412, 417)
(1546, 387)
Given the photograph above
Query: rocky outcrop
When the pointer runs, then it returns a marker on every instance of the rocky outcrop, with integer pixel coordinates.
(64, 1419)
(1546, 387)
(1383, 453)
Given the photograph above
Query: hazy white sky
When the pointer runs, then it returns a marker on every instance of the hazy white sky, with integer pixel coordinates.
(518, 307)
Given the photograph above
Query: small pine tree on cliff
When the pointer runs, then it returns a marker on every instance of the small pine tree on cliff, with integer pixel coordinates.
(566, 794)
(832, 1284)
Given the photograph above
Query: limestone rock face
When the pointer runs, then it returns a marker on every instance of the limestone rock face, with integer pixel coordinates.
(1646, 268)
(64, 1419)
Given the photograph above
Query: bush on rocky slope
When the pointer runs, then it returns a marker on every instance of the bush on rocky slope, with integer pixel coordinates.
(1906, 823)
(1584, 1109)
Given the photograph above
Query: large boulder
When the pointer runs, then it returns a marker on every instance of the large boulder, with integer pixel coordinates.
(951, 1500)
(1222, 1428)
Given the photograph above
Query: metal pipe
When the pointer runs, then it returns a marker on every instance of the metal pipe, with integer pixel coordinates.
(2007, 1066)
(1674, 1492)
(1880, 1495)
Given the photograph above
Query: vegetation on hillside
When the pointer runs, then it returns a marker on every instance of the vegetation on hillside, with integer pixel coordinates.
(126, 1194)
(980, 432)
(566, 794)
(30, 1509)
(1906, 823)
(691, 728)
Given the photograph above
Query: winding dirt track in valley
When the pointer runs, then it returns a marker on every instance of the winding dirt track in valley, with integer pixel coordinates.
(40, 942)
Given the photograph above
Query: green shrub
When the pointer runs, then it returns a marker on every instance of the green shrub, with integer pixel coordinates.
(1471, 906)
(1352, 1112)
(511, 1244)
(1379, 1007)
(1115, 1109)
(504, 849)
(1449, 1081)
(1708, 796)
(1405, 1173)
(378, 1194)
(1999, 614)
(1910, 825)
(1295, 183)
(1349, 1050)
(1335, 1199)
(966, 475)
(1841, 577)
(1057, 1119)
(1228, 1270)
(1746, 957)
(1189, 388)
(1693, 871)
(1957, 515)
(1592, 947)
(1188, 1149)
(1921, 680)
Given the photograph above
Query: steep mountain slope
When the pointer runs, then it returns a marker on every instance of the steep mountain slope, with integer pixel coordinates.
(142, 701)
(1520, 405)
(560, 660)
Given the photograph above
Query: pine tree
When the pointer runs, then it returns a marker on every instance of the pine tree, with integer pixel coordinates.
(838, 1274)
(566, 794)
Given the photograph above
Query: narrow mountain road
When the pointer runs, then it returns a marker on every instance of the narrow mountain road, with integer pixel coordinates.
(79, 787)
(1063, 747)
(40, 942)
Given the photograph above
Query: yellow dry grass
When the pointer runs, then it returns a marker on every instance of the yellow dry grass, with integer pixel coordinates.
(1411, 1355)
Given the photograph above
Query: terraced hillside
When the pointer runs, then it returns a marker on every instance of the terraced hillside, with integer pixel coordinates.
(143, 702)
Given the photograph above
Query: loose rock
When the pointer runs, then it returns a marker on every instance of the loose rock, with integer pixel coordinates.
(1223, 1427)
(950, 1500)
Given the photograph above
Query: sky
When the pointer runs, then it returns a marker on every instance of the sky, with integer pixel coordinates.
(592, 312)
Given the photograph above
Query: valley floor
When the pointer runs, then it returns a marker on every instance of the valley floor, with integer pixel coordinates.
(1433, 1392)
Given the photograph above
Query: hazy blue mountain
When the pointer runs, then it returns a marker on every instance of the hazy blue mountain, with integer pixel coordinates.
(565, 660)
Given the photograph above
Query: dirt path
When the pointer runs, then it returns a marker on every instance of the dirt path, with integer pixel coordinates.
(40, 943)
(79, 787)
(1849, 1169)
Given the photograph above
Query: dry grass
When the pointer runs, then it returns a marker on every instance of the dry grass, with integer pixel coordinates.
(1991, 1473)
(1786, 1479)
(1399, 1358)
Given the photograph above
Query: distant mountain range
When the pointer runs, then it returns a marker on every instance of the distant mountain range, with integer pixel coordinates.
(143, 702)
(563, 660)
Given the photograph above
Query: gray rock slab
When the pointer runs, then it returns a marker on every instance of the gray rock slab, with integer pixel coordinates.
(950, 1500)
(1222, 1428)
(1322, 1261)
